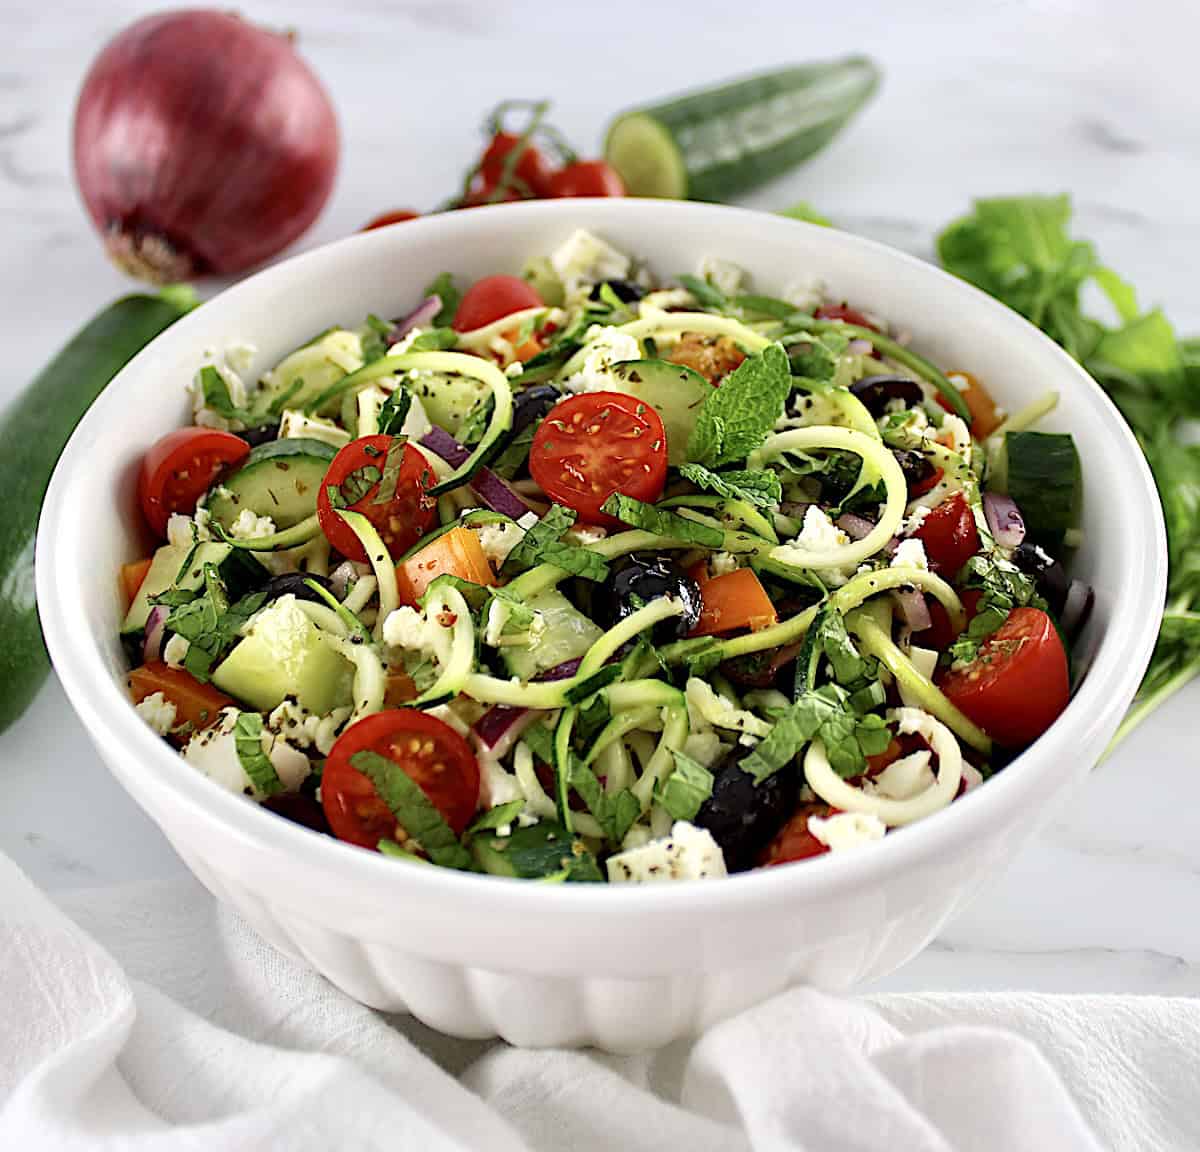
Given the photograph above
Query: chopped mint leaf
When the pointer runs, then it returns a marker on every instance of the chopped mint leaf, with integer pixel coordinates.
(540, 741)
(803, 210)
(814, 357)
(247, 739)
(434, 340)
(686, 788)
(359, 483)
(514, 457)
(471, 430)
(493, 818)
(415, 813)
(543, 544)
(739, 415)
(444, 289)
(662, 521)
(476, 595)
(614, 811)
(761, 489)
(394, 411)
(547, 851)
(210, 624)
(373, 337)
(708, 295)
(392, 463)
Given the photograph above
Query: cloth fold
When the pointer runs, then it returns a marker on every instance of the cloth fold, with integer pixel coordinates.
(151, 1018)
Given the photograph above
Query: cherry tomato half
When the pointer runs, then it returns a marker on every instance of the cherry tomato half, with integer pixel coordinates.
(532, 168)
(386, 218)
(844, 313)
(493, 298)
(794, 841)
(1018, 685)
(587, 178)
(941, 633)
(435, 757)
(949, 535)
(180, 468)
(597, 443)
(400, 521)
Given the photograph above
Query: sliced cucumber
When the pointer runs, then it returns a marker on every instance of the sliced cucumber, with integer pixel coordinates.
(543, 851)
(182, 566)
(1040, 471)
(674, 391)
(279, 479)
(718, 143)
(567, 634)
(539, 273)
(309, 371)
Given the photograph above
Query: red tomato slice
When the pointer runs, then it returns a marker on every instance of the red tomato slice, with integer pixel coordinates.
(532, 168)
(587, 178)
(927, 485)
(401, 521)
(794, 841)
(844, 313)
(949, 535)
(397, 217)
(940, 634)
(493, 298)
(985, 418)
(597, 443)
(180, 468)
(431, 754)
(1018, 685)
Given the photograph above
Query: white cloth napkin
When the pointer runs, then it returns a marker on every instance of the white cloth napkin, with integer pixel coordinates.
(158, 1021)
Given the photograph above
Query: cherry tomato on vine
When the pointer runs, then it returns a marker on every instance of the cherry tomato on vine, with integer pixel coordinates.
(385, 218)
(587, 178)
(532, 168)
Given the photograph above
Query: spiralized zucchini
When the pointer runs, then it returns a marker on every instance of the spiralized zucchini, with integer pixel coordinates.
(381, 565)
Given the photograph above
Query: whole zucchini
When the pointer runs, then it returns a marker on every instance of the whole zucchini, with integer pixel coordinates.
(721, 142)
(33, 432)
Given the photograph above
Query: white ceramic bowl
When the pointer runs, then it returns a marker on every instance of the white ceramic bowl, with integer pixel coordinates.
(622, 968)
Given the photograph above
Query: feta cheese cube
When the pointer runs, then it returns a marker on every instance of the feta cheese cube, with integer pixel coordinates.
(605, 347)
(847, 830)
(689, 853)
(723, 275)
(498, 540)
(295, 425)
(249, 526)
(585, 259)
(175, 650)
(910, 554)
(157, 711)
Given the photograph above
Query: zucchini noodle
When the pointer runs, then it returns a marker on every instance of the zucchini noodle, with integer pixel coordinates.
(616, 767)
(1026, 417)
(725, 510)
(381, 564)
(620, 634)
(480, 339)
(642, 719)
(370, 679)
(702, 323)
(662, 763)
(456, 656)
(536, 801)
(875, 457)
(827, 784)
(302, 533)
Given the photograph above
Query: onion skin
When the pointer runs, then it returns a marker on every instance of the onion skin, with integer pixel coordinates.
(203, 145)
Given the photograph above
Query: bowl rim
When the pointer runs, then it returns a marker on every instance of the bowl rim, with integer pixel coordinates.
(1120, 659)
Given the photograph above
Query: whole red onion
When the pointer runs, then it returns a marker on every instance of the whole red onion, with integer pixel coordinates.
(203, 145)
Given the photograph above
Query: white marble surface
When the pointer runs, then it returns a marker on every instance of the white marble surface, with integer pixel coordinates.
(1007, 96)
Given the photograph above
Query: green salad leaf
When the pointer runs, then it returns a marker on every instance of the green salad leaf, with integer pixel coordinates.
(662, 521)
(444, 288)
(247, 740)
(686, 789)
(707, 295)
(209, 623)
(493, 818)
(543, 544)
(394, 411)
(761, 489)
(739, 415)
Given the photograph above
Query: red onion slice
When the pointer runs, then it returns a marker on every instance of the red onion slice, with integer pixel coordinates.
(1004, 519)
(423, 314)
(856, 527)
(562, 671)
(490, 488)
(499, 728)
(155, 627)
(440, 441)
(913, 609)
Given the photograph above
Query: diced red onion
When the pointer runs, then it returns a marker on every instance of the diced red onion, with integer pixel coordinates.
(1004, 519)
(1077, 608)
(859, 347)
(499, 728)
(562, 671)
(424, 313)
(490, 488)
(913, 609)
(155, 627)
(856, 527)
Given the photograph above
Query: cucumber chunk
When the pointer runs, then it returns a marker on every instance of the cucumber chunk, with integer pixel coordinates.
(567, 634)
(279, 479)
(1040, 471)
(674, 391)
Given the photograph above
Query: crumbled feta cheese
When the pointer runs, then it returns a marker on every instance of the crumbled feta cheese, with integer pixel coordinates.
(819, 533)
(295, 425)
(689, 853)
(704, 747)
(955, 434)
(297, 725)
(496, 786)
(183, 531)
(914, 520)
(723, 275)
(585, 259)
(346, 575)
(707, 709)
(175, 650)
(805, 293)
(605, 347)
(722, 563)
(498, 540)
(157, 711)
(405, 627)
(846, 830)
(910, 554)
(959, 382)
(584, 534)
(213, 751)
(528, 520)
(666, 299)
(905, 778)
(249, 526)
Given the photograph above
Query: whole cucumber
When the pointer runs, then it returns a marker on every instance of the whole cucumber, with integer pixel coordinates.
(33, 432)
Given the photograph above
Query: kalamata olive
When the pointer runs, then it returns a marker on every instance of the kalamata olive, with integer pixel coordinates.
(624, 290)
(532, 404)
(743, 816)
(1050, 575)
(918, 471)
(293, 583)
(646, 578)
(263, 434)
(299, 808)
(876, 392)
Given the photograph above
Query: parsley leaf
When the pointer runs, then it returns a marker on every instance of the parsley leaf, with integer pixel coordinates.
(761, 489)
(443, 287)
(662, 522)
(1004, 588)
(686, 788)
(738, 416)
(415, 813)
(247, 739)
(543, 544)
